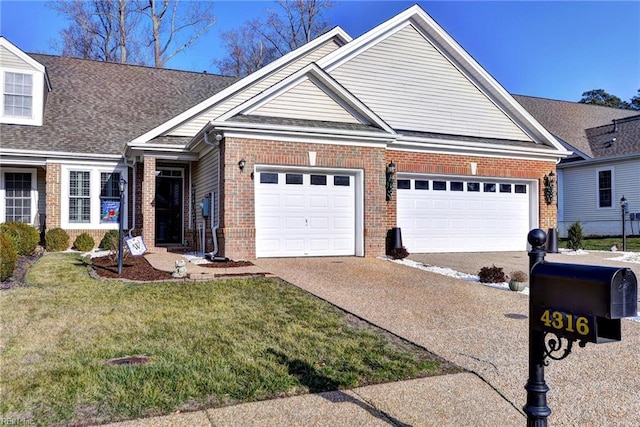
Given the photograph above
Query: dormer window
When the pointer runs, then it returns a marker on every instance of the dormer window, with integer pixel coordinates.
(18, 95)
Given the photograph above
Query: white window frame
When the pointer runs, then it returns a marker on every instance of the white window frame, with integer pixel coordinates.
(34, 193)
(613, 187)
(95, 203)
(37, 98)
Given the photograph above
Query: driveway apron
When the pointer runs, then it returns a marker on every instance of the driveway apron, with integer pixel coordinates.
(481, 329)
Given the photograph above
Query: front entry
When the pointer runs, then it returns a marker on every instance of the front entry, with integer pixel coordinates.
(169, 207)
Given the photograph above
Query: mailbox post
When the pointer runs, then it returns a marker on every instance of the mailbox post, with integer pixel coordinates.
(569, 303)
(536, 408)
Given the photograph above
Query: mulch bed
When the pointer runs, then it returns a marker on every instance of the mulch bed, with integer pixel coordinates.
(138, 268)
(20, 270)
(133, 268)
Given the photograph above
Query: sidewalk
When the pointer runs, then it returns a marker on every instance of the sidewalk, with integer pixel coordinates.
(448, 400)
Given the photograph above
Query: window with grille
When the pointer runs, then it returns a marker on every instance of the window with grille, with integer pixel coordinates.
(605, 189)
(18, 197)
(18, 95)
(79, 196)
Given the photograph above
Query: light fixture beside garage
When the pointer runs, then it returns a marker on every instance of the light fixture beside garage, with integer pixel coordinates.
(549, 182)
(391, 171)
(242, 163)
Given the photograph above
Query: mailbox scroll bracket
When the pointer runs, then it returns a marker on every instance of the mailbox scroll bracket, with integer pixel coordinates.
(556, 345)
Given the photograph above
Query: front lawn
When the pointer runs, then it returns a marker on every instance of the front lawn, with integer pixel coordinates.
(605, 243)
(207, 344)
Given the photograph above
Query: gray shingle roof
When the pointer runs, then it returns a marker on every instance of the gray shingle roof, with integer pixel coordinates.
(570, 121)
(495, 141)
(97, 107)
(280, 121)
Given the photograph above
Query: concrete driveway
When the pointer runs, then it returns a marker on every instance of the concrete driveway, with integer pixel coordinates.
(482, 329)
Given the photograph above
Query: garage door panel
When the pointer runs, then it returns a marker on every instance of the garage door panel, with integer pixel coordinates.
(457, 221)
(305, 219)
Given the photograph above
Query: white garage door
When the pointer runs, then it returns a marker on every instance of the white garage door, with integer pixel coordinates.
(456, 215)
(304, 214)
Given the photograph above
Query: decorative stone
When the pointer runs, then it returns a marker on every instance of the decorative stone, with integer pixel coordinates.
(180, 269)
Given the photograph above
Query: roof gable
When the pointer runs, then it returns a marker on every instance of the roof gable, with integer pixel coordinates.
(430, 40)
(192, 120)
(12, 57)
(309, 94)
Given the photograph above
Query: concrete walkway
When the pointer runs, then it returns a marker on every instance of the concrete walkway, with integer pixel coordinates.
(482, 329)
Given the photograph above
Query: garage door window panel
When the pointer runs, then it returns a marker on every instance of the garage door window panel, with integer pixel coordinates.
(268, 178)
(489, 188)
(473, 187)
(341, 181)
(505, 188)
(294, 179)
(421, 185)
(520, 189)
(318, 180)
(404, 184)
(440, 185)
(457, 186)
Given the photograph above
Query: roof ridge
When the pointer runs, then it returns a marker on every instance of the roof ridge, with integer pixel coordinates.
(572, 102)
(148, 67)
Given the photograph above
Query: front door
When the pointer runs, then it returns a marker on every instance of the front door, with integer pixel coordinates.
(169, 207)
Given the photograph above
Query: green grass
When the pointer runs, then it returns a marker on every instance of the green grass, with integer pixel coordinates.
(209, 344)
(605, 243)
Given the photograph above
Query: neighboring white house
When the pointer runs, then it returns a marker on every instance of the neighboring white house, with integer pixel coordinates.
(604, 168)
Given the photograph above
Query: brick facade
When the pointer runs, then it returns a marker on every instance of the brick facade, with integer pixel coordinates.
(238, 212)
(444, 164)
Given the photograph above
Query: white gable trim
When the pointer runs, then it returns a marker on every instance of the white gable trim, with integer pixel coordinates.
(325, 82)
(23, 56)
(336, 33)
(449, 48)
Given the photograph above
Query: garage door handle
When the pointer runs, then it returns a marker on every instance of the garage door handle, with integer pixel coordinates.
(306, 221)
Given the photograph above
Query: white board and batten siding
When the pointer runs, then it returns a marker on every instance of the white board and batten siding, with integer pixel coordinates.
(580, 197)
(194, 125)
(411, 86)
(318, 105)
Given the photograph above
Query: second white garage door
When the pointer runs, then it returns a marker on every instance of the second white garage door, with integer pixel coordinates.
(304, 214)
(459, 215)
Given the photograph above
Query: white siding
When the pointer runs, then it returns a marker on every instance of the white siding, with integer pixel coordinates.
(9, 60)
(205, 179)
(411, 86)
(191, 127)
(306, 101)
(580, 197)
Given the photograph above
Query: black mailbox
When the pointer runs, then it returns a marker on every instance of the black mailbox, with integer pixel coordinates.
(582, 302)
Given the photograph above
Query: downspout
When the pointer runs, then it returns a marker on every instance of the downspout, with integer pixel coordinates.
(216, 201)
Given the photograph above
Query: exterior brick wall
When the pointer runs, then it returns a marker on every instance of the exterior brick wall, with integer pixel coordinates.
(443, 164)
(238, 213)
(147, 202)
(53, 196)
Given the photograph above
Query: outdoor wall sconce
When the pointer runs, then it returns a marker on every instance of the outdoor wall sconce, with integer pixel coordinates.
(242, 163)
(549, 183)
(391, 171)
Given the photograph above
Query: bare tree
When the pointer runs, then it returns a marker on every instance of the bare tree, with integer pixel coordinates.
(261, 41)
(169, 25)
(118, 30)
(99, 29)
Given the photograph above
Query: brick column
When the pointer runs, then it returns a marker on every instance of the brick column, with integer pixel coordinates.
(53, 195)
(147, 202)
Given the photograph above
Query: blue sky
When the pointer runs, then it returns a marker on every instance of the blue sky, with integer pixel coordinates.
(549, 49)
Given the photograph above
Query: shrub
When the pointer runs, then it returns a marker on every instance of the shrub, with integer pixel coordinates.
(8, 257)
(84, 242)
(110, 240)
(24, 236)
(399, 253)
(492, 275)
(574, 240)
(56, 240)
(518, 276)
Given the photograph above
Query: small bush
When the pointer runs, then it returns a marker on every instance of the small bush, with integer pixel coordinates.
(110, 240)
(56, 240)
(24, 236)
(399, 253)
(575, 237)
(84, 242)
(8, 257)
(518, 276)
(492, 275)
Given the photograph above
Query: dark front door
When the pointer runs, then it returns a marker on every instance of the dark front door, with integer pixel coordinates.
(168, 210)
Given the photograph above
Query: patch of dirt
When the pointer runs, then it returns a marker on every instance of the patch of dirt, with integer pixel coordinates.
(133, 268)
